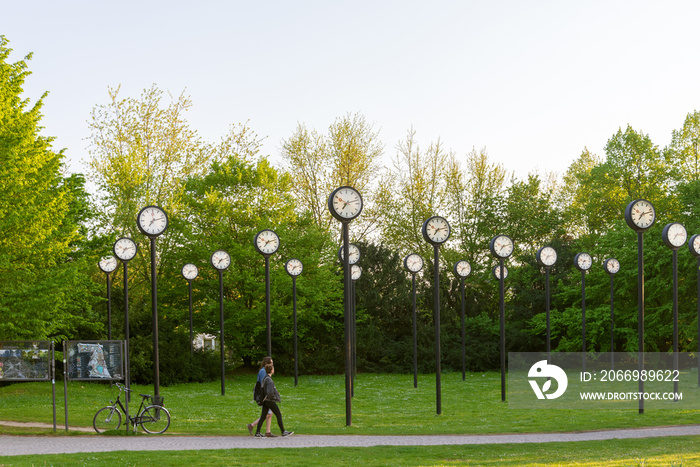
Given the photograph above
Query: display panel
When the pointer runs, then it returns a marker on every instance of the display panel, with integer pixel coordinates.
(94, 360)
(25, 360)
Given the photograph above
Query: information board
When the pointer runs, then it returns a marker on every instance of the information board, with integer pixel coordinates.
(94, 360)
(25, 360)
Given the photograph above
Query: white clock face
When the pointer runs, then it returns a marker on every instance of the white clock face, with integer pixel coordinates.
(355, 272)
(437, 229)
(125, 249)
(612, 266)
(695, 245)
(190, 271)
(643, 214)
(108, 264)
(502, 246)
(548, 256)
(152, 221)
(497, 272)
(294, 267)
(584, 261)
(220, 259)
(676, 235)
(267, 242)
(463, 268)
(413, 262)
(354, 253)
(345, 203)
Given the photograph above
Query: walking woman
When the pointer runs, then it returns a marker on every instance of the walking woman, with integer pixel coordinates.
(270, 399)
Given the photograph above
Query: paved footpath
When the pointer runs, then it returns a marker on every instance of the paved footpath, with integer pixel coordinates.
(17, 445)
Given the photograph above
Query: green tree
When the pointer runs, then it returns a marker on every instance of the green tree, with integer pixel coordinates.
(43, 286)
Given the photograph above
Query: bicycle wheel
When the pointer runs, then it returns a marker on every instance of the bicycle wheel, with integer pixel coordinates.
(107, 418)
(155, 419)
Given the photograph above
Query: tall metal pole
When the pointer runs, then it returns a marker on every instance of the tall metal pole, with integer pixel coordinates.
(127, 359)
(296, 358)
(675, 322)
(464, 343)
(221, 337)
(415, 328)
(347, 290)
(438, 369)
(353, 348)
(154, 309)
(267, 305)
(640, 314)
(501, 284)
(189, 287)
(698, 307)
(546, 292)
(612, 324)
(109, 306)
(583, 317)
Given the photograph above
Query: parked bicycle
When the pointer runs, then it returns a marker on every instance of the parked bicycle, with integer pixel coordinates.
(153, 418)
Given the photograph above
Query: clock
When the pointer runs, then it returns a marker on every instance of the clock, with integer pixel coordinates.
(355, 272)
(436, 230)
(152, 221)
(583, 261)
(462, 269)
(220, 260)
(354, 253)
(413, 262)
(496, 271)
(294, 267)
(547, 256)
(266, 242)
(501, 246)
(125, 249)
(190, 271)
(345, 203)
(611, 265)
(694, 245)
(108, 264)
(674, 235)
(640, 215)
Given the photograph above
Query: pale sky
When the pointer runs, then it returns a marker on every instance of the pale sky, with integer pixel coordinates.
(532, 81)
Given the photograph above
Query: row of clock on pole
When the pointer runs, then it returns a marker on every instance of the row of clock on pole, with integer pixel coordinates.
(345, 203)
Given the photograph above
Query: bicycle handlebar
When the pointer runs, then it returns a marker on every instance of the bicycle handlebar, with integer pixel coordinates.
(123, 388)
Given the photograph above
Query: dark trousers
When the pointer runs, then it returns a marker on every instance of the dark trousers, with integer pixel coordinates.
(269, 405)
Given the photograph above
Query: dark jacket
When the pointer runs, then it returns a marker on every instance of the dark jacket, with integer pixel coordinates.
(270, 391)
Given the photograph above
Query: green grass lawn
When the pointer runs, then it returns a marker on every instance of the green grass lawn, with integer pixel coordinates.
(383, 405)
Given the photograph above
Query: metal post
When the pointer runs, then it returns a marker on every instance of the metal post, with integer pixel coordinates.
(267, 305)
(675, 322)
(127, 360)
(698, 307)
(221, 336)
(65, 384)
(353, 356)
(189, 287)
(347, 284)
(640, 314)
(501, 283)
(415, 329)
(612, 324)
(546, 293)
(53, 384)
(154, 309)
(438, 370)
(583, 317)
(109, 306)
(296, 358)
(464, 343)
